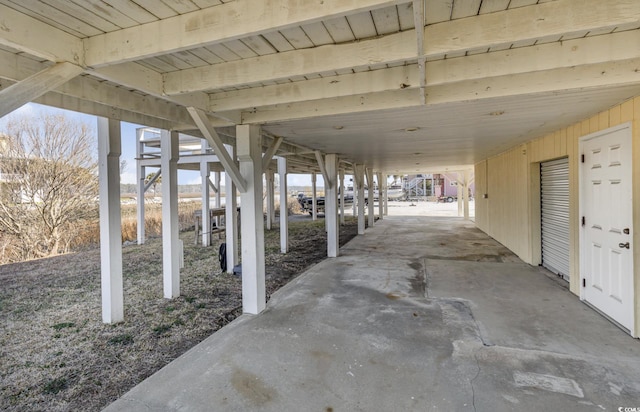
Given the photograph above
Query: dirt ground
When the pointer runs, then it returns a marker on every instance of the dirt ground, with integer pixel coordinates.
(57, 355)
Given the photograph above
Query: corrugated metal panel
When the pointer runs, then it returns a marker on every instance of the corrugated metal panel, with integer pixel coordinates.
(554, 187)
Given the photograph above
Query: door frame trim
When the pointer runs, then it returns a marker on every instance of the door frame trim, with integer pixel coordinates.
(581, 240)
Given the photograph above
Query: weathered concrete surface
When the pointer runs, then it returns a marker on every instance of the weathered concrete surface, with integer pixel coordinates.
(417, 314)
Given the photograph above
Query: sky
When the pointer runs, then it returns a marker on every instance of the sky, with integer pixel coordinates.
(128, 133)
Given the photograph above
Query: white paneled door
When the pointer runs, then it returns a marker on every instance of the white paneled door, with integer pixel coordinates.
(606, 263)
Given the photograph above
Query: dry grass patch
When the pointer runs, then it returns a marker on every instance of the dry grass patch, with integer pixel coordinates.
(57, 355)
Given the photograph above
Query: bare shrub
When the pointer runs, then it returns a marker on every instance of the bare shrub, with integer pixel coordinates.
(50, 183)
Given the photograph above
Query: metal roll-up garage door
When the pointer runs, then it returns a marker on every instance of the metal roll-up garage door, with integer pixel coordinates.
(554, 194)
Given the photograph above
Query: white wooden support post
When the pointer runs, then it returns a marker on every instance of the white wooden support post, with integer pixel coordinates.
(371, 211)
(206, 195)
(465, 193)
(380, 196)
(270, 198)
(170, 240)
(231, 217)
(109, 150)
(284, 210)
(341, 196)
(386, 196)
(359, 182)
(459, 189)
(355, 192)
(314, 198)
(253, 271)
(140, 174)
(218, 198)
(331, 205)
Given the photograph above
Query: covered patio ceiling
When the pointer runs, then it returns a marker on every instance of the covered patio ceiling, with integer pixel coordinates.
(349, 77)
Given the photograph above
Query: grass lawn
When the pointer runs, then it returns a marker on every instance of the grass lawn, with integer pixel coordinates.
(57, 355)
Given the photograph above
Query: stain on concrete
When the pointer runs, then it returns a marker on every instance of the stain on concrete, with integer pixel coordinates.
(415, 265)
(252, 387)
(548, 383)
(419, 281)
(324, 361)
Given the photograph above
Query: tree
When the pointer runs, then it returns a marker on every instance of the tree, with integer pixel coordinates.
(157, 181)
(50, 186)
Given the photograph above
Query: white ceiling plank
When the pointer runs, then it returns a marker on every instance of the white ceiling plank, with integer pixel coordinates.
(528, 23)
(405, 15)
(132, 10)
(386, 20)
(277, 40)
(182, 6)
(223, 52)
(259, 45)
(153, 63)
(225, 22)
(145, 63)
(317, 33)
(362, 25)
(240, 49)
(398, 47)
(462, 9)
(161, 64)
(157, 8)
(327, 87)
(191, 58)
(108, 12)
(31, 36)
(437, 11)
(83, 14)
(36, 85)
(339, 29)
(174, 60)
(297, 37)
(56, 18)
(206, 55)
(491, 6)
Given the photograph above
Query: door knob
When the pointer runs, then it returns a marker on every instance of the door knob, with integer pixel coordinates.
(623, 245)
